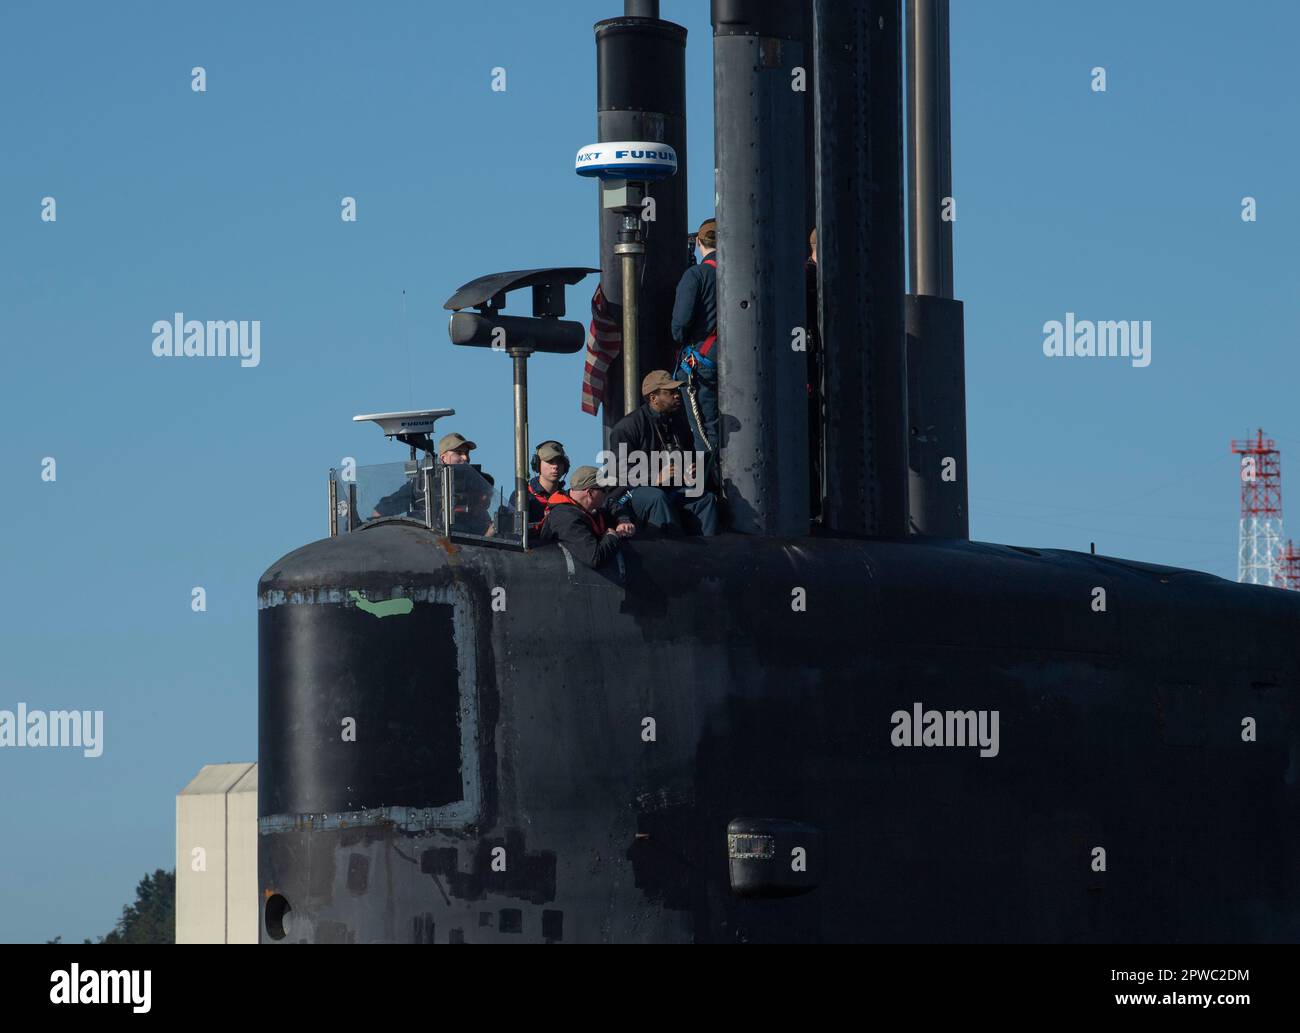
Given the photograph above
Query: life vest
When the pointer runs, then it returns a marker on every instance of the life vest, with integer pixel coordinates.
(596, 522)
(545, 500)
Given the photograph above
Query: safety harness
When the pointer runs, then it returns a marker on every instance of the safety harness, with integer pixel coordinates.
(544, 499)
(692, 360)
(699, 355)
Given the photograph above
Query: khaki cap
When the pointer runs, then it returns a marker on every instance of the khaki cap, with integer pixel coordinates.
(549, 451)
(451, 442)
(585, 477)
(658, 380)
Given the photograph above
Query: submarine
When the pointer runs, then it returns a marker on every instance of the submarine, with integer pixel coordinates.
(839, 721)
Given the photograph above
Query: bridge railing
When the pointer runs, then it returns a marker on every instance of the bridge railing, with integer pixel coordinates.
(466, 506)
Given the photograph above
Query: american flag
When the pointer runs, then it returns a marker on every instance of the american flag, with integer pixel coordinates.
(604, 342)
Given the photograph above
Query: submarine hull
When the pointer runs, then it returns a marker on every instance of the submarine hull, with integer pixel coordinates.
(463, 744)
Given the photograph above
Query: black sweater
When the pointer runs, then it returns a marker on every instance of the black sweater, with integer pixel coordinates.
(644, 430)
(569, 525)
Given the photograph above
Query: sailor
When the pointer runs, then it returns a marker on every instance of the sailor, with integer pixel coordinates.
(469, 505)
(586, 521)
(550, 466)
(479, 507)
(675, 500)
(408, 500)
(695, 329)
(454, 449)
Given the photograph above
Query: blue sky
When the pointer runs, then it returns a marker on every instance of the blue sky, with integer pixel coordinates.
(1119, 205)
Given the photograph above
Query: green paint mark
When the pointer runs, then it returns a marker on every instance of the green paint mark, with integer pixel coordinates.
(392, 608)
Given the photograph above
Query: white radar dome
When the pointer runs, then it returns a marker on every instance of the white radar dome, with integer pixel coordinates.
(626, 159)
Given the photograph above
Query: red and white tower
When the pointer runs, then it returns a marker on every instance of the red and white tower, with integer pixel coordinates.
(1259, 555)
(1288, 575)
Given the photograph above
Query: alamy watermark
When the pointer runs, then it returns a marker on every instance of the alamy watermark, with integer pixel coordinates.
(636, 468)
(83, 729)
(192, 338)
(124, 986)
(921, 727)
(1106, 338)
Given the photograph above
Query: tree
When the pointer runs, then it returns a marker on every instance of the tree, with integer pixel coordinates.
(151, 919)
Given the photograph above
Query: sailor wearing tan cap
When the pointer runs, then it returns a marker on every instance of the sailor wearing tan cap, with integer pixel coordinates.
(648, 435)
(408, 500)
(550, 466)
(454, 449)
(469, 506)
(583, 518)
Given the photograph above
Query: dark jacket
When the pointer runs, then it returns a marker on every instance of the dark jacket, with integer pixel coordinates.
(583, 534)
(471, 506)
(402, 502)
(406, 501)
(695, 312)
(644, 430)
(537, 500)
(810, 282)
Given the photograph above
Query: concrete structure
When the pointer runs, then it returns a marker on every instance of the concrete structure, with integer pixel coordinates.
(216, 856)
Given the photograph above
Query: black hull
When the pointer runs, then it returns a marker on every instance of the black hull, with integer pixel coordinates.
(522, 729)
